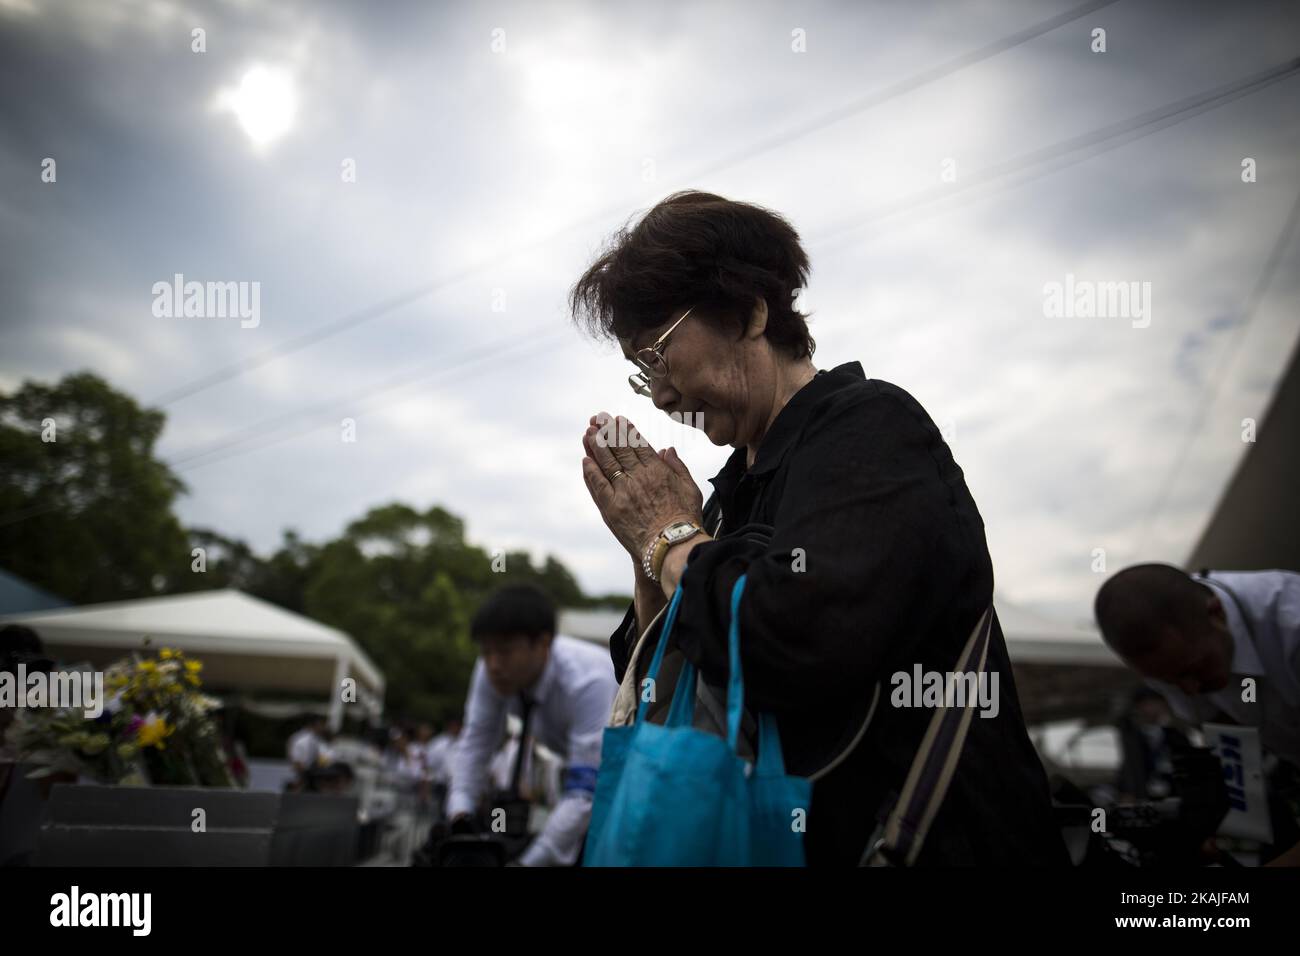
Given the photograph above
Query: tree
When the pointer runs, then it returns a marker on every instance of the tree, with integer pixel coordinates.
(283, 578)
(404, 584)
(400, 582)
(86, 512)
(227, 563)
(85, 507)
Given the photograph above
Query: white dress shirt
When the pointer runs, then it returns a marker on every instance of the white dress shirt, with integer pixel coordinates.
(1265, 629)
(305, 748)
(573, 698)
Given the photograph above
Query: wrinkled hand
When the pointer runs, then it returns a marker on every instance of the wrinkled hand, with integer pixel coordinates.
(654, 490)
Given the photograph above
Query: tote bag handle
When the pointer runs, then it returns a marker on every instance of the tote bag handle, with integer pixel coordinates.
(682, 710)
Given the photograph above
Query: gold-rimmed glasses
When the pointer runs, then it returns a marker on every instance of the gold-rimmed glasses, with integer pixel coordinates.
(652, 362)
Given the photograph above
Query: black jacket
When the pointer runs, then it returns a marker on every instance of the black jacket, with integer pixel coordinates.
(865, 555)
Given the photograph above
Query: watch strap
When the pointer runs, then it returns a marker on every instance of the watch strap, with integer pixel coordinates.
(652, 562)
(663, 545)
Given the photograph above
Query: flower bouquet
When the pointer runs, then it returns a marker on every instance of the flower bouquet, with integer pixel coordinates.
(156, 727)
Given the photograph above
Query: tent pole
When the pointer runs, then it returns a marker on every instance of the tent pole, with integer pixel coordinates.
(336, 694)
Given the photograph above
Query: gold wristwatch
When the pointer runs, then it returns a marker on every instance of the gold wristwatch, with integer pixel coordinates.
(652, 562)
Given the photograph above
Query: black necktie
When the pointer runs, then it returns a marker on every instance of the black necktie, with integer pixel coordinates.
(526, 703)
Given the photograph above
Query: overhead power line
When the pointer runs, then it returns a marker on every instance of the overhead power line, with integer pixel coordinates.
(386, 306)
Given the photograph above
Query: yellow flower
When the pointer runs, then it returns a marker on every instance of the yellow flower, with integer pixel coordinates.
(166, 653)
(148, 666)
(154, 731)
(194, 666)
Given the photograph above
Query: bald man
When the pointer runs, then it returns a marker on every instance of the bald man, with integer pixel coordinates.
(1217, 645)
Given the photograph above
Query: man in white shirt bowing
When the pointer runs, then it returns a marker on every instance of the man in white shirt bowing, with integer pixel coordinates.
(1221, 644)
(562, 689)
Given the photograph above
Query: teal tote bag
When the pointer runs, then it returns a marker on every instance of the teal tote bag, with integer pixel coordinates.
(673, 795)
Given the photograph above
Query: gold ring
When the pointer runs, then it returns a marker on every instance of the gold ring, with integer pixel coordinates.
(618, 474)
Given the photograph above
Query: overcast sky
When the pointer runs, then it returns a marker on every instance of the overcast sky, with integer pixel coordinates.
(496, 146)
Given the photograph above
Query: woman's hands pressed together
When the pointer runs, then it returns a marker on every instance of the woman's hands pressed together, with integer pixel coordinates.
(639, 491)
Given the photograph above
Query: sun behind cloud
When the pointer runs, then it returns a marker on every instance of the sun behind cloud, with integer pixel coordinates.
(264, 103)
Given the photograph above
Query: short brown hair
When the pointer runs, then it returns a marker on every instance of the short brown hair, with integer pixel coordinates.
(698, 250)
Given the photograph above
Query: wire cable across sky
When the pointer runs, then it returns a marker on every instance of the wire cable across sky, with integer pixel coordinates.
(416, 293)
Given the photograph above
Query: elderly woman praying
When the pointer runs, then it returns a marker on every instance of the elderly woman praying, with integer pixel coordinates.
(864, 550)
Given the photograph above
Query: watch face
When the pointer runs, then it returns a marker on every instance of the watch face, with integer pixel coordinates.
(678, 531)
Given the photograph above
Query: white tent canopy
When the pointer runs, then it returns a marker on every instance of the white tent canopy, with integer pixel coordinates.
(1034, 639)
(589, 624)
(245, 643)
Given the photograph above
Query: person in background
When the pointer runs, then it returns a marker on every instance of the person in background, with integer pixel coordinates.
(1220, 646)
(18, 645)
(329, 736)
(20, 798)
(334, 778)
(1148, 742)
(420, 756)
(305, 749)
(562, 690)
(438, 758)
(401, 762)
(405, 769)
(236, 754)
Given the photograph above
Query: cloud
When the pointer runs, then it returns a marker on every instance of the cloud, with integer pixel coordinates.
(471, 164)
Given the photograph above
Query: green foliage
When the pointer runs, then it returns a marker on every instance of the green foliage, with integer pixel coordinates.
(404, 584)
(282, 579)
(95, 505)
(229, 563)
(89, 517)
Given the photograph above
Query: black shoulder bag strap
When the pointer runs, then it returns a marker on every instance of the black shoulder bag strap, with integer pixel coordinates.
(898, 840)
